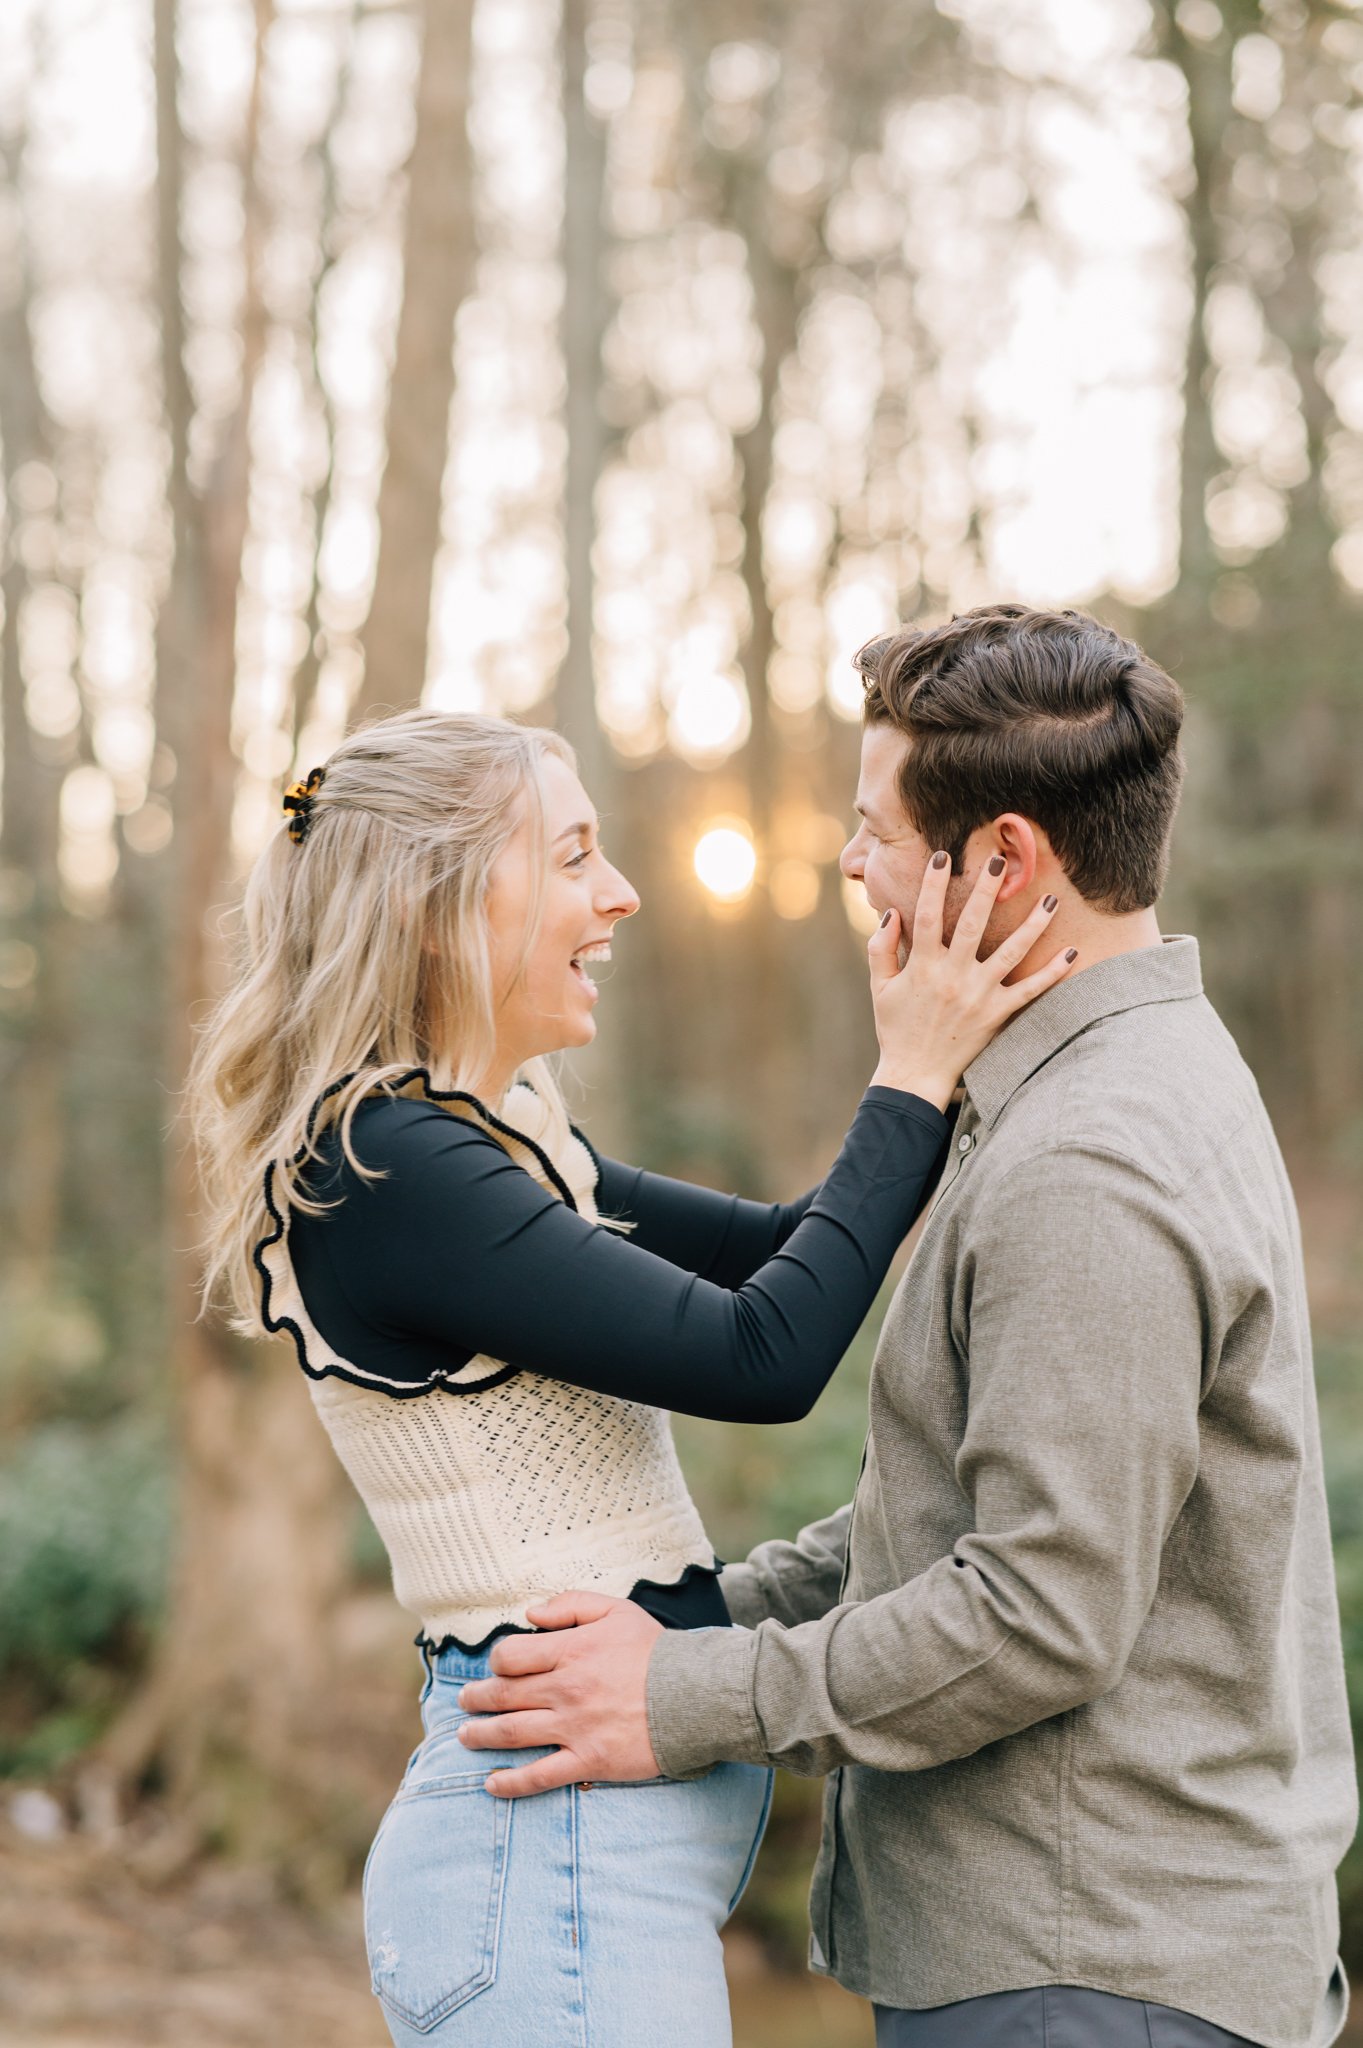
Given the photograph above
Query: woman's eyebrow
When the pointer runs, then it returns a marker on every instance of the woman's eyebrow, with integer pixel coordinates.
(582, 831)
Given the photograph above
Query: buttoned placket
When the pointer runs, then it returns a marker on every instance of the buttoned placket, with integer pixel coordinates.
(965, 1140)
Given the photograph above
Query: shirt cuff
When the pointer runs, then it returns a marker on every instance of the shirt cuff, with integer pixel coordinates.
(909, 1105)
(700, 1700)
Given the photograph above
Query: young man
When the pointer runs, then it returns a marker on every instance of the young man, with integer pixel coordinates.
(1071, 1658)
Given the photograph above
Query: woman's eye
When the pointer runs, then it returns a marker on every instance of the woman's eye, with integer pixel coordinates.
(579, 860)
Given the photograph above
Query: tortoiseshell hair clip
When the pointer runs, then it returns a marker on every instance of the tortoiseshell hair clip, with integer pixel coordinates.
(299, 799)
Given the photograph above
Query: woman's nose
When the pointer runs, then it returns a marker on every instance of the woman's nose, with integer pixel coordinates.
(617, 897)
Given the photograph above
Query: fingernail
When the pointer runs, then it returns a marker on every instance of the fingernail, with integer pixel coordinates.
(997, 864)
(939, 860)
(1049, 902)
(1073, 953)
(886, 919)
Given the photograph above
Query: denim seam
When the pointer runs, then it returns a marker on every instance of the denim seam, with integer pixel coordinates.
(450, 1787)
(575, 1869)
(758, 1833)
(575, 1865)
(494, 1958)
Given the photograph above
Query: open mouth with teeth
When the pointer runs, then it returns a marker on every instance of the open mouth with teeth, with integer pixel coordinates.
(590, 956)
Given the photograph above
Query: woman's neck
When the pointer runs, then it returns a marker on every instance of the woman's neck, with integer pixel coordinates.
(494, 1083)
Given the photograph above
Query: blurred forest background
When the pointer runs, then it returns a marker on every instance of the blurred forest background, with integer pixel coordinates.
(620, 364)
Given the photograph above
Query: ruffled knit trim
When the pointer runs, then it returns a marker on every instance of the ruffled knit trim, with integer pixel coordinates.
(516, 1628)
(307, 1339)
(504, 1628)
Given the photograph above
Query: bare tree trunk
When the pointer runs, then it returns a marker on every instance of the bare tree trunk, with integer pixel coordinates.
(1279, 721)
(438, 259)
(584, 324)
(1313, 688)
(35, 1037)
(308, 671)
(586, 314)
(768, 998)
(775, 288)
(1207, 77)
(261, 1545)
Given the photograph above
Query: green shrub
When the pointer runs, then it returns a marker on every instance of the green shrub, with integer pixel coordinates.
(84, 1529)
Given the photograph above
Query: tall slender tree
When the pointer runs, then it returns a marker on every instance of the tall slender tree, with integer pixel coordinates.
(1265, 635)
(438, 260)
(36, 1037)
(260, 1538)
(585, 317)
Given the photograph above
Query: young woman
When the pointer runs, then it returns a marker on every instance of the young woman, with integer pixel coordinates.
(493, 1321)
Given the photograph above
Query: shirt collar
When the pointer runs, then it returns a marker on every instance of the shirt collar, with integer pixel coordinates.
(1167, 973)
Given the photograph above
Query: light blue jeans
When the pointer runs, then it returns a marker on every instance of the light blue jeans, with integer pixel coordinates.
(571, 1919)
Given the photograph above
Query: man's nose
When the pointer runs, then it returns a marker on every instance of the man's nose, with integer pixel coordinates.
(851, 860)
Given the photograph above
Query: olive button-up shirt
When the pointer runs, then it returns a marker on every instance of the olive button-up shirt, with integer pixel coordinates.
(1071, 1659)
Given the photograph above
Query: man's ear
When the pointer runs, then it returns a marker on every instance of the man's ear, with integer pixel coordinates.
(1015, 837)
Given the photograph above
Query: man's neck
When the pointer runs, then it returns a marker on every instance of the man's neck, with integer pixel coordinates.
(1094, 935)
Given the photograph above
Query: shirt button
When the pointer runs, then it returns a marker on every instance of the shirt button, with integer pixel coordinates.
(966, 1143)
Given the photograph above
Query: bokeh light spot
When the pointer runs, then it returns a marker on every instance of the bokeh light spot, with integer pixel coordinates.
(709, 718)
(725, 860)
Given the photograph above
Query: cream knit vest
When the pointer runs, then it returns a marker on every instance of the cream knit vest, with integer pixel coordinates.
(490, 1500)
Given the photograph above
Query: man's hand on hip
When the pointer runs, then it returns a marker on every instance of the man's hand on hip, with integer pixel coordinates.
(581, 1683)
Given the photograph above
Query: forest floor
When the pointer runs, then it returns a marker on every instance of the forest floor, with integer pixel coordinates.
(93, 1957)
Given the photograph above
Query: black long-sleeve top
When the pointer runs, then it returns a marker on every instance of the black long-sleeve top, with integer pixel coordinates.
(710, 1305)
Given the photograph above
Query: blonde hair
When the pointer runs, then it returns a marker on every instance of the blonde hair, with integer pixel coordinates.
(365, 955)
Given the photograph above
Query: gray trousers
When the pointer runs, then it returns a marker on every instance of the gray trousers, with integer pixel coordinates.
(1051, 2016)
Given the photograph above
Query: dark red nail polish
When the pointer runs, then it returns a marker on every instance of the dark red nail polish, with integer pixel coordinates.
(939, 860)
(1073, 953)
(1049, 902)
(997, 864)
(886, 919)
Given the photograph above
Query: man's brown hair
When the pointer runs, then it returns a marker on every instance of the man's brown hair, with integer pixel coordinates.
(1051, 714)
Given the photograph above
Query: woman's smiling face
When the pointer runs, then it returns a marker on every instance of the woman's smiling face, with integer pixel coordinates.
(545, 1003)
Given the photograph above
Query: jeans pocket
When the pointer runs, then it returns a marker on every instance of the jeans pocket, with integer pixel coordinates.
(433, 1893)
